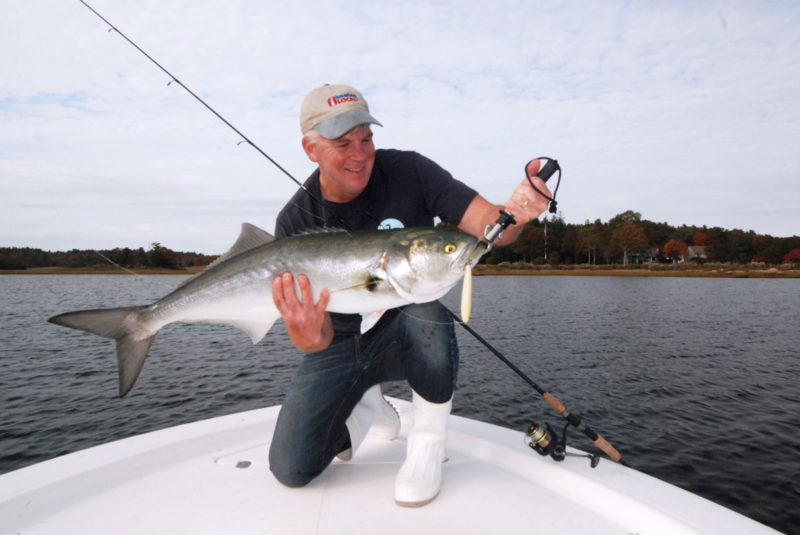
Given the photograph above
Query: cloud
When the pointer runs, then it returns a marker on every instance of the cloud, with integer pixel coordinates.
(659, 108)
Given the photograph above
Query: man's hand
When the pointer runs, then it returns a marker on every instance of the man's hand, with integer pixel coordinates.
(525, 203)
(309, 325)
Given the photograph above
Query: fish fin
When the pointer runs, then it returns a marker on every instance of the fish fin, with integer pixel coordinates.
(130, 359)
(256, 329)
(368, 321)
(250, 237)
(416, 297)
(402, 292)
(122, 324)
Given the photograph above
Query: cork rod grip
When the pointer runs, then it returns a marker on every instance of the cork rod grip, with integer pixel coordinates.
(554, 402)
(608, 449)
(600, 442)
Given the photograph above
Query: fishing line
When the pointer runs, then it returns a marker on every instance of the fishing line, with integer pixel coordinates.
(493, 233)
(101, 255)
(407, 314)
(174, 79)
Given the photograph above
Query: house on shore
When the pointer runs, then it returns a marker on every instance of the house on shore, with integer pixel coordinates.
(697, 253)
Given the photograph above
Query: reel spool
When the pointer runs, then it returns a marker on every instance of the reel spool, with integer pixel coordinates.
(545, 441)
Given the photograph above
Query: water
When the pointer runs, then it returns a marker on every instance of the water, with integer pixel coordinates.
(693, 380)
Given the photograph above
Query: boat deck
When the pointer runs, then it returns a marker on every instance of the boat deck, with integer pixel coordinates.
(212, 477)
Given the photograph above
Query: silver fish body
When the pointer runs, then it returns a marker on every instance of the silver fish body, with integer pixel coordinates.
(366, 272)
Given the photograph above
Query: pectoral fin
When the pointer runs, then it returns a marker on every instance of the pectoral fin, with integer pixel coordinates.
(368, 321)
(256, 329)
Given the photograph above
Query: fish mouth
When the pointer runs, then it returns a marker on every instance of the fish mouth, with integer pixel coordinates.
(471, 254)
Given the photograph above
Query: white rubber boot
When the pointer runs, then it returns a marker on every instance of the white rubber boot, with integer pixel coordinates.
(420, 477)
(372, 411)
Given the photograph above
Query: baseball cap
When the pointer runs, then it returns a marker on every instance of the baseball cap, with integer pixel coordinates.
(333, 110)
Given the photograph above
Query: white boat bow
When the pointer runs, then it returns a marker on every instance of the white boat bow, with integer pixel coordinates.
(212, 476)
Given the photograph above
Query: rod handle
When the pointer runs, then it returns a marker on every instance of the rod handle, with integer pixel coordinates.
(548, 170)
(598, 440)
(555, 403)
(608, 449)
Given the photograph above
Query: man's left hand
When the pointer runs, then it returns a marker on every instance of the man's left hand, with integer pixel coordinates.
(525, 203)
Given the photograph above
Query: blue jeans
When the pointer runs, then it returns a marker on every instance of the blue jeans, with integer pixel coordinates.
(416, 344)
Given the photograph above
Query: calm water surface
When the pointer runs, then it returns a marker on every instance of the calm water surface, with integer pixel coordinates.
(695, 381)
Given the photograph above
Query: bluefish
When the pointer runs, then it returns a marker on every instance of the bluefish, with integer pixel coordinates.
(366, 272)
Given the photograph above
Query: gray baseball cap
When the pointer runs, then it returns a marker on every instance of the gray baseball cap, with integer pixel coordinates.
(333, 110)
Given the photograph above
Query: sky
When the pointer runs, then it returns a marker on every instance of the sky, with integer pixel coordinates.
(686, 112)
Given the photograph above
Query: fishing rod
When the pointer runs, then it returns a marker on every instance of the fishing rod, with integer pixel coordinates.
(493, 233)
(539, 434)
(174, 79)
(544, 439)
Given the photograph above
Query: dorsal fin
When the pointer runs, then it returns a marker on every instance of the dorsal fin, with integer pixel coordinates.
(250, 237)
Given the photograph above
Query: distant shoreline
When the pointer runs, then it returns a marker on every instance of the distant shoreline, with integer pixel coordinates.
(656, 270)
(741, 271)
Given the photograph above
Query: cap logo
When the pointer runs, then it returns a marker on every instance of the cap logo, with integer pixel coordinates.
(341, 99)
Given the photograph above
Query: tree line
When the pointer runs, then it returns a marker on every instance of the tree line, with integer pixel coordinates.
(157, 256)
(627, 238)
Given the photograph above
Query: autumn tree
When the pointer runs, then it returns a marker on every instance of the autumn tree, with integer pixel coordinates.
(627, 238)
(160, 256)
(657, 232)
(628, 216)
(590, 239)
(699, 239)
(529, 244)
(675, 250)
(570, 245)
(792, 257)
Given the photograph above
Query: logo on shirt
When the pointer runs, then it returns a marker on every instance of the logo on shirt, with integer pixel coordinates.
(390, 223)
(341, 99)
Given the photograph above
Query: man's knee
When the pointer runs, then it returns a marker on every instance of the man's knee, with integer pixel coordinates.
(290, 465)
(292, 478)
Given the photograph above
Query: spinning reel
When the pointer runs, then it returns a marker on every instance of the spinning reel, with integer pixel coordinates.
(545, 441)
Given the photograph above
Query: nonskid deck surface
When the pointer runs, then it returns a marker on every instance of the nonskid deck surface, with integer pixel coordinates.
(212, 477)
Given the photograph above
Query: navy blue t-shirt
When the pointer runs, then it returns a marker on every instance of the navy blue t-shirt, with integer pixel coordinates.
(404, 186)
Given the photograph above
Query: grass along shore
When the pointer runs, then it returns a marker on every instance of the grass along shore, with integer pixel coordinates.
(784, 271)
(763, 271)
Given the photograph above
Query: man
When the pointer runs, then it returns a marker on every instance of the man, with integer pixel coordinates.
(335, 396)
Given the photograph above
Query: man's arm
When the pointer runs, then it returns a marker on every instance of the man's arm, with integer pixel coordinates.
(525, 204)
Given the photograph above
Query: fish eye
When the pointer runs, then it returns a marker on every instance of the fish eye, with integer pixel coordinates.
(450, 248)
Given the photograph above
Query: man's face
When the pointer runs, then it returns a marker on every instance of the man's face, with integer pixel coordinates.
(345, 163)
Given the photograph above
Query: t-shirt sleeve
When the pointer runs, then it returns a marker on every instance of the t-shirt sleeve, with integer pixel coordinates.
(445, 196)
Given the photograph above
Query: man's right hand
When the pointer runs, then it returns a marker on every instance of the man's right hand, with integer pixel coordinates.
(309, 325)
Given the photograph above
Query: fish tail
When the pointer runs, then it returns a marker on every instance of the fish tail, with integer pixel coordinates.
(124, 325)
